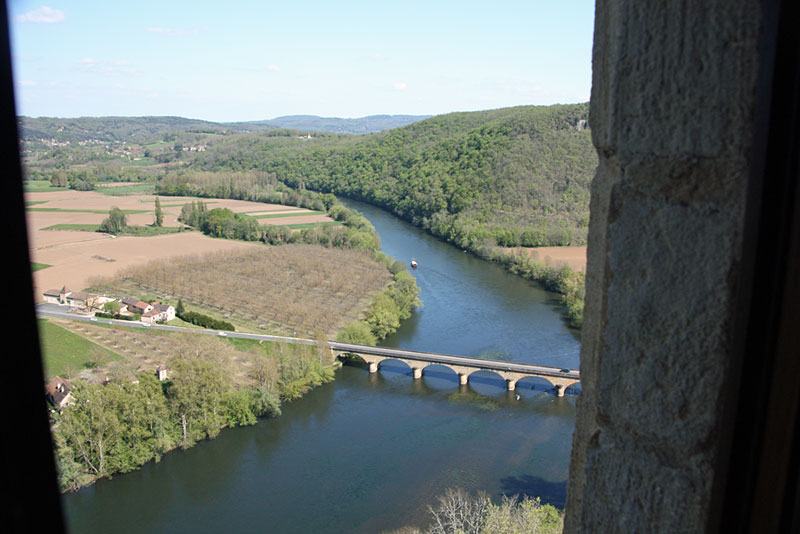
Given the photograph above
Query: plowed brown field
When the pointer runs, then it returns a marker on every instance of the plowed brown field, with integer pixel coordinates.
(74, 254)
(574, 257)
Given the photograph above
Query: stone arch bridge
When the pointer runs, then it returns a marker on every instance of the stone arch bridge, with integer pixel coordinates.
(463, 366)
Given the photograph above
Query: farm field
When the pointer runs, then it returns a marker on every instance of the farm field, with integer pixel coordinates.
(573, 257)
(75, 255)
(301, 290)
(94, 352)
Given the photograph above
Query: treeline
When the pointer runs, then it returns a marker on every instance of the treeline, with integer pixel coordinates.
(254, 186)
(514, 176)
(205, 321)
(355, 232)
(119, 426)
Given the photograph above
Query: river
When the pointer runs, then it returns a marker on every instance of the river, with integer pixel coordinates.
(368, 453)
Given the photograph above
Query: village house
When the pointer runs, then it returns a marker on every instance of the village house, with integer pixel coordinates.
(136, 306)
(57, 296)
(159, 313)
(65, 296)
(58, 392)
(79, 299)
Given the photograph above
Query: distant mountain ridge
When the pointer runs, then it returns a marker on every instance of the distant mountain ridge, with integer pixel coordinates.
(111, 129)
(363, 125)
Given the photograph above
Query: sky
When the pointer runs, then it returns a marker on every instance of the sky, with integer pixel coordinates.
(254, 60)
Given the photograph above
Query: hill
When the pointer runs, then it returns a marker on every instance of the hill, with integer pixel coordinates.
(363, 125)
(512, 176)
(136, 129)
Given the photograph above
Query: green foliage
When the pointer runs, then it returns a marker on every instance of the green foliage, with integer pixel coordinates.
(526, 516)
(205, 321)
(358, 333)
(389, 307)
(123, 424)
(115, 222)
(300, 370)
(511, 176)
(159, 214)
(111, 307)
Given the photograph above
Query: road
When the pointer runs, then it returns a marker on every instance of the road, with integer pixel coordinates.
(63, 312)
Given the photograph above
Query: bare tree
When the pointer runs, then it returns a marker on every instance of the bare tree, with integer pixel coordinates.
(459, 512)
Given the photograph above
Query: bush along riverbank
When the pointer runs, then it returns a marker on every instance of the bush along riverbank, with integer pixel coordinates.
(389, 307)
(118, 426)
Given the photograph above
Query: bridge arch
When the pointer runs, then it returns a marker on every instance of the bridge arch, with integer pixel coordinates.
(536, 382)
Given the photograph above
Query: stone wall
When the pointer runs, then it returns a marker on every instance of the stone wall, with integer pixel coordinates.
(672, 111)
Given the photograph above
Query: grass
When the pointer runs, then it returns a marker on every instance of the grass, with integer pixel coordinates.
(34, 202)
(250, 345)
(64, 352)
(147, 231)
(136, 231)
(274, 215)
(39, 266)
(79, 227)
(97, 212)
(139, 189)
(40, 186)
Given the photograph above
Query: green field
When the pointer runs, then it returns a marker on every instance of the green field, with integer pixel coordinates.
(274, 215)
(39, 266)
(97, 212)
(137, 231)
(64, 352)
(80, 227)
(41, 186)
(147, 231)
(139, 189)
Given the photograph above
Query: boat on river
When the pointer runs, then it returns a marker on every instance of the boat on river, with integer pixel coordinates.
(413, 263)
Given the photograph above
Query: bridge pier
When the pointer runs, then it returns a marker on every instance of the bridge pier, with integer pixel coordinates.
(462, 378)
(373, 367)
(416, 372)
(511, 384)
(560, 389)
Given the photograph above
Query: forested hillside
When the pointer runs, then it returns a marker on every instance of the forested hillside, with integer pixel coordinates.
(513, 176)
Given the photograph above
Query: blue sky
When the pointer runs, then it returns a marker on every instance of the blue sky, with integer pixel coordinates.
(251, 60)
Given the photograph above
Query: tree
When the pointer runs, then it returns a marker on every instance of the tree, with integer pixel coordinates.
(179, 309)
(159, 214)
(200, 384)
(111, 307)
(459, 512)
(358, 333)
(115, 222)
(58, 179)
